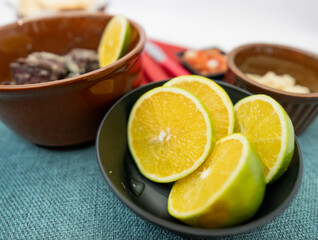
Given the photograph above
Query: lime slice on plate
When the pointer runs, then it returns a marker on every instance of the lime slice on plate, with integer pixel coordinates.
(214, 97)
(267, 125)
(225, 190)
(170, 133)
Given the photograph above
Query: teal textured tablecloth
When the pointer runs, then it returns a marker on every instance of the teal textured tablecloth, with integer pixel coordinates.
(61, 194)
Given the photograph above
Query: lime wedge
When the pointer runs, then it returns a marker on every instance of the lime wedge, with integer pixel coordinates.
(114, 41)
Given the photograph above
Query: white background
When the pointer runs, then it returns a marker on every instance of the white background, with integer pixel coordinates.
(225, 23)
(222, 23)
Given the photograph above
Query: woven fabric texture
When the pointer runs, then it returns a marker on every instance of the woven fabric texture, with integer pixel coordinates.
(61, 194)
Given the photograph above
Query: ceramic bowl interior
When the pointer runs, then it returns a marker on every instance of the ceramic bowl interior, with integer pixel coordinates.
(149, 199)
(261, 58)
(67, 111)
(57, 34)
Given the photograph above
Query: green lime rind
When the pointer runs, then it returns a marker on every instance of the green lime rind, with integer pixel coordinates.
(126, 39)
(288, 153)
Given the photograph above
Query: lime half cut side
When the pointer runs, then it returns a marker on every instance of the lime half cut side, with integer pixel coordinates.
(226, 190)
(214, 97)
(170, 133)
(267, 125)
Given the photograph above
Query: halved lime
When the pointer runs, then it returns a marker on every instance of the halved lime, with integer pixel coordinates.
(267, 125)
(214, 97)
(227, 189)
(170, 133)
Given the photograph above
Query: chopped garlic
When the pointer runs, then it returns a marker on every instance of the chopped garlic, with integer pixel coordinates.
(282, 82)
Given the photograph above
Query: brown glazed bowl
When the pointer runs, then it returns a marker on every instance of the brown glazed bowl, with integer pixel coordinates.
(69, 111)
(261, 58)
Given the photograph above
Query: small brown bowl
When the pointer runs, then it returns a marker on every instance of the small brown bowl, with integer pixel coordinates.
(69, 111)
(261, 58)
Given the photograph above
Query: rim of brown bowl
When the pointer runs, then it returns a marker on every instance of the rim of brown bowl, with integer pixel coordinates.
(130, 55)
(233, 67)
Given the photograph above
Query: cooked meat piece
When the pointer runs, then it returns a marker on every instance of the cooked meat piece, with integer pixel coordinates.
(43, 66)
(38, 67)
(86, 60)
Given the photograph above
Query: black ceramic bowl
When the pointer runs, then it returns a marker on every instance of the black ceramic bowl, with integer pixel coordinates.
(149, 199)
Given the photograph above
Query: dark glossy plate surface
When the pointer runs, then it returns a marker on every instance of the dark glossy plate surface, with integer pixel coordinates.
(149, 199)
